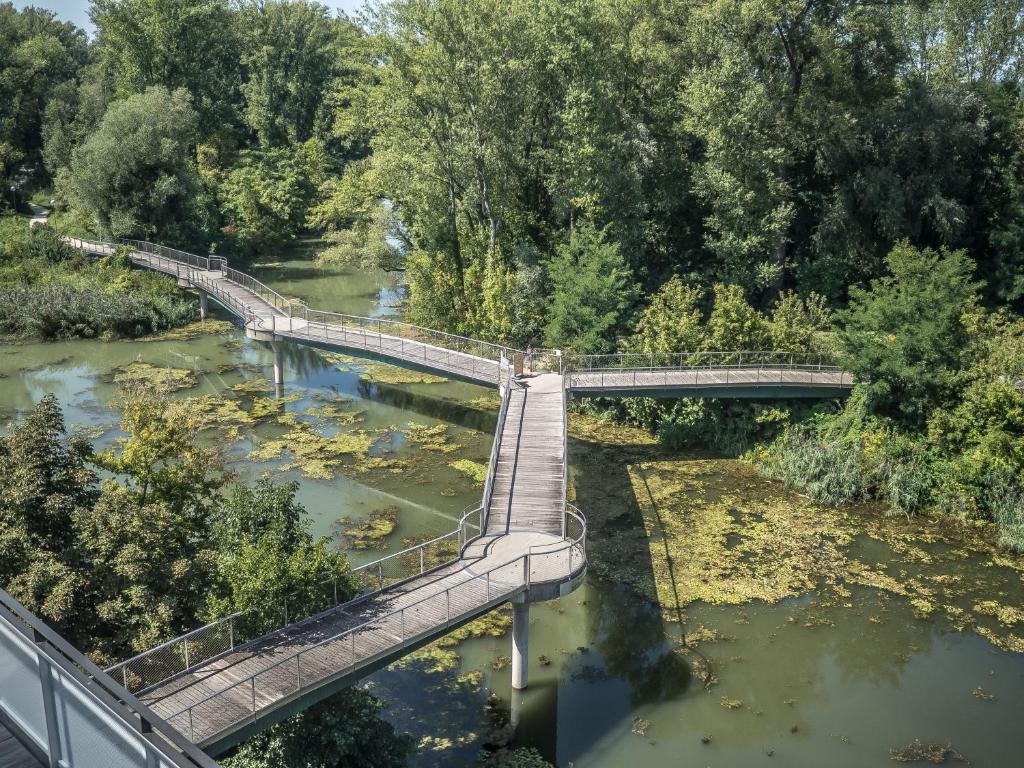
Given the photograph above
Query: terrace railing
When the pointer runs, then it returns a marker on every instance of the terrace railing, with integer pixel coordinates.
(75, 714)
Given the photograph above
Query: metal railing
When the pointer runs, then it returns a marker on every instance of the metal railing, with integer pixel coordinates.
(492, 461)
(77, 715)
(165, 257)
(359, 646)
(682, 361)
(695, 369)
(192, 649)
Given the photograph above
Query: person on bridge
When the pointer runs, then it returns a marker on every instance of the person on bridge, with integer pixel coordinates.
(528, 361)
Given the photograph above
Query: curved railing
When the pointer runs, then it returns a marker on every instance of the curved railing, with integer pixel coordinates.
(293, 308)
(359, 646)
(238, 629)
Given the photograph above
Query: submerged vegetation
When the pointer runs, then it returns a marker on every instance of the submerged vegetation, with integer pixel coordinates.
(686, 530)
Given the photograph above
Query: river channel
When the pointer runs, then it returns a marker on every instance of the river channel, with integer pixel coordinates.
(725, 621)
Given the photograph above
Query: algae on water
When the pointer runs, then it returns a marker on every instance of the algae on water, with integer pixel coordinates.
(191, 331)
(370, 532)
(162, 379)
(474, 470)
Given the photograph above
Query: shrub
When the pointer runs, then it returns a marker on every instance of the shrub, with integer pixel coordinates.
(828, 469)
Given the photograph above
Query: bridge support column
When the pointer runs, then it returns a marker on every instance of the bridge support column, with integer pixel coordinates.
(278, 364)
(520, 641)
(203, 305)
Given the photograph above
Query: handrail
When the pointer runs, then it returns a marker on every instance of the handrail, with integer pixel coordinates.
(172, 746)
(492, 461)
(295, 657)
(222, 635)
(703, 359)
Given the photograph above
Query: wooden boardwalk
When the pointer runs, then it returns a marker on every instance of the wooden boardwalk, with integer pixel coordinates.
(532, 546)
(529, 483)
(211, 700)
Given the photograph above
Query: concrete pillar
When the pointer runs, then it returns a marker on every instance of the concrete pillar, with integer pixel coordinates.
(278, 363)
(203, 307)
(520, 641)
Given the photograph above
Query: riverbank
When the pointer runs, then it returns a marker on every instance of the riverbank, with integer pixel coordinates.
(49, 291)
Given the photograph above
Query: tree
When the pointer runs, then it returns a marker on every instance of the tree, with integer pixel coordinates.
(264, 197)
(151, 559)
(905, 337)
(343, 731)
(672, 322)
(37, 55)
(734, 325)
(795, 321)
(173, 44)
(45, 485)
(292, 53)
(135, 176)
(269, 560)
(591, 287)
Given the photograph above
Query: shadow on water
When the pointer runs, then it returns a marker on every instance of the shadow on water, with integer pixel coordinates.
(630, 662)
(443, 409)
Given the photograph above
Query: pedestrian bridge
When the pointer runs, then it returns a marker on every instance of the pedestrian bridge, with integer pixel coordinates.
(524, 543)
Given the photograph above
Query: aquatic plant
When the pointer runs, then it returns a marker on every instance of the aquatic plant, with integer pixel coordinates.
(369, 532)
(164, 379)
(474, 470)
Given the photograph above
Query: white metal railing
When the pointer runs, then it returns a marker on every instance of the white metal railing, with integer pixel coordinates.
(238, 629)
(74, 714)
(359, 646)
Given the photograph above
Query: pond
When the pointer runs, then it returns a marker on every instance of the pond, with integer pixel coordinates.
(725, 621)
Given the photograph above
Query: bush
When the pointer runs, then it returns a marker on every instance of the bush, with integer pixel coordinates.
(59, 311)
(828, 469)
(1006, 499)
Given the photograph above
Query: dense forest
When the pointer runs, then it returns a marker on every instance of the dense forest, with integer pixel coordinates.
(835, 177)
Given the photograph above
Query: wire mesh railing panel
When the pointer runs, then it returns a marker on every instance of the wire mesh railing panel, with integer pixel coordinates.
(144, 671)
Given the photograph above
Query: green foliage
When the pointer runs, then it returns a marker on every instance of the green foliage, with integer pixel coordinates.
(268, 558)
(905, 337)
(51, 291)
(135, 176)
(265, 196)
(187, 44)
(795, 322)
(591, 287)
(369, 243)
(343, 731)
(44, 486)
(38, 54)
(293, 50)
(734, 324)
(672, 322)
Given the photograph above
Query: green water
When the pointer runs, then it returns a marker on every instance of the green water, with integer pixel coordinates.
(838, 690)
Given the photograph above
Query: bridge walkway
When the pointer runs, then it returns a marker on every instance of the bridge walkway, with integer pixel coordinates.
(217, 697)
(528, 489)
(524, 544)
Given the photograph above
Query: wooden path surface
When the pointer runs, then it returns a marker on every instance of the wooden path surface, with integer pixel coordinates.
(14, 754)
(529, 484)
(219, 696)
